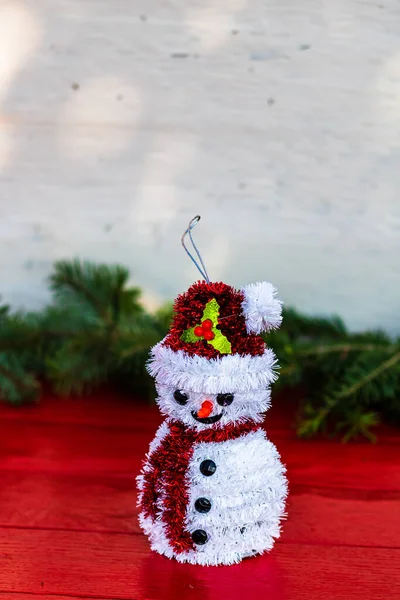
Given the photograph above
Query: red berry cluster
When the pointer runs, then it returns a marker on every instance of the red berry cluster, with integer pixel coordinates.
(204, 330)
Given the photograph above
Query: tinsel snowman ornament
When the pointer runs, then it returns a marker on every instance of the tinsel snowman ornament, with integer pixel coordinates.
(212, 489)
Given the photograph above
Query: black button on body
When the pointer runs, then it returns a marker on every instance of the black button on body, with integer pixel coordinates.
(199, 537)
(208, 467)
(202, 505)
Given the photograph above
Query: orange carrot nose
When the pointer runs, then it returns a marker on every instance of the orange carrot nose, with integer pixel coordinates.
(206, 409)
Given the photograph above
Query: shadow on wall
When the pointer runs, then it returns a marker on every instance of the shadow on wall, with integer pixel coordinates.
(279, 126)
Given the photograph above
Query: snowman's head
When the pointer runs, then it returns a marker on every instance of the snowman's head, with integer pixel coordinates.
(202, 410)
(213, 368)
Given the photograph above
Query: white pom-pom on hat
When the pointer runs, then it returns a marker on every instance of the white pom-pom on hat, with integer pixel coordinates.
(261, 308)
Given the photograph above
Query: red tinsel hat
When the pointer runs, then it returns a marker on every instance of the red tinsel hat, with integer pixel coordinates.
(209, 321)
(214, 343)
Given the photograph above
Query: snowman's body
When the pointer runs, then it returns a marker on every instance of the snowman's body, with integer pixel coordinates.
(241, 502)
(212, 490)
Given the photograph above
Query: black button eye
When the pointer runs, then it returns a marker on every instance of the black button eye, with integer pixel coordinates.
(225, 399)
(181, 397)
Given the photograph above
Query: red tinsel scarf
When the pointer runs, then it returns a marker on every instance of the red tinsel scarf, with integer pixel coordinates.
(168, 468)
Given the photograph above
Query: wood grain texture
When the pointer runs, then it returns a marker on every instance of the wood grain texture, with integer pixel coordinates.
(93, 564)
(68, 525)
(22, 596)
(113, 451)
(108, 504)
(278, 120)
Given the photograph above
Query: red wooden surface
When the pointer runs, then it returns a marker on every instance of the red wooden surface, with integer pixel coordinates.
(68, 526)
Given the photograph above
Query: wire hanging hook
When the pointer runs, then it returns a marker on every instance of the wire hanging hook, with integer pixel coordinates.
(188, 231)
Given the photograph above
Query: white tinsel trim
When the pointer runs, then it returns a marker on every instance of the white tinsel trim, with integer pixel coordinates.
(261, 308)
(247, 493)
(229, 373)
(160, 435)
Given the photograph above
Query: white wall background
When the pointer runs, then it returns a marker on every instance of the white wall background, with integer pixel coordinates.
(277, 120)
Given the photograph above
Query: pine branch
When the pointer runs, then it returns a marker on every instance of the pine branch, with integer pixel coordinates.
(16, 385)
(345, 349)
(96, 348)
(298, 325)
(353, 389)
(99, 288)
(359, 423)
(18, 338)
(21, 386)
(68, 283)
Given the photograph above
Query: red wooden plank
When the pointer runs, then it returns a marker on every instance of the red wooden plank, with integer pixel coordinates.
(332, 465)
(109, 504)
(120, 566)
(42, 501)
(316, 519)
(79, 476)
(22, 596)
(103, 407)
(93, 451)
(69, 449)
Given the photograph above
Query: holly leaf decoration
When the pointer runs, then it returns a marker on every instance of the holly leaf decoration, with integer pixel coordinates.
(189, 336)
(220, 342)
(211, 311)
